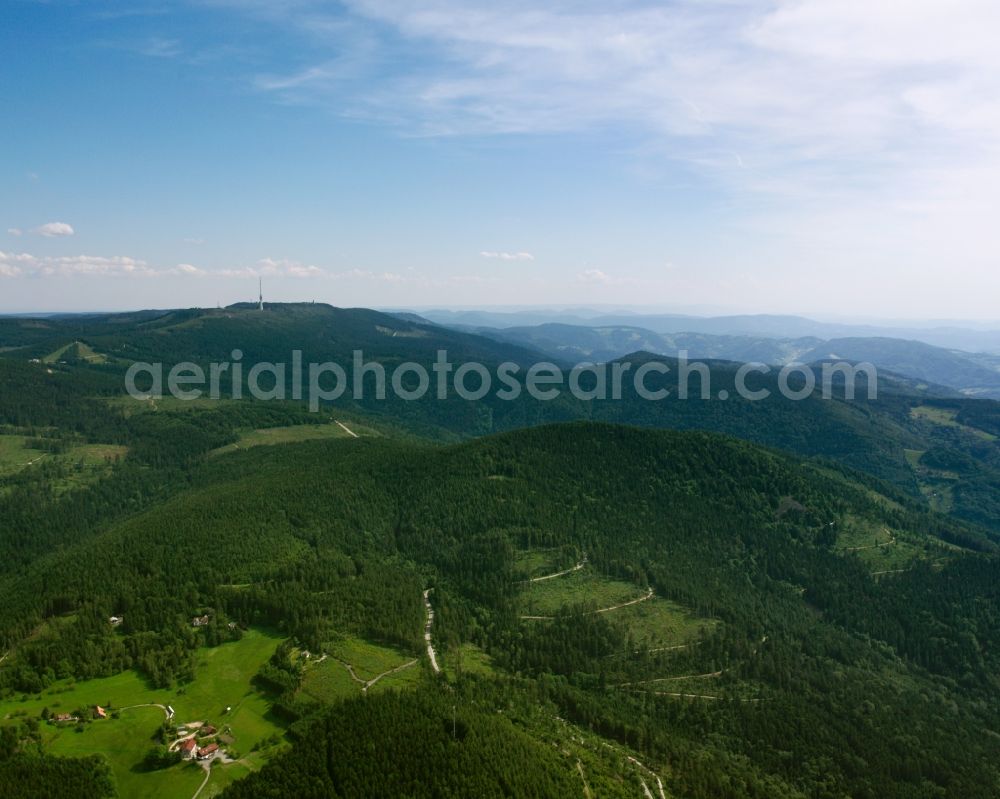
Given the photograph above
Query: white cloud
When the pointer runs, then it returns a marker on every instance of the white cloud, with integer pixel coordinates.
(508, 256)
(29, 265)
(52, 230)
(270, 267)
(193, 240)
(14, 231)
(26, 264)
(365, 274)
(9, 270)
(594, 276)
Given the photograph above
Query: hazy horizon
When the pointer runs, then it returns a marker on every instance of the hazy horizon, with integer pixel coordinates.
(557, 310)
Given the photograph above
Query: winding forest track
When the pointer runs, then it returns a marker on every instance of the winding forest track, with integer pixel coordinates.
(366, 684)
(708, 676)
(705, 696)
(889, 543)
(346, 429)
(576, 568)
(427, 632)
(659, 782)
(586, 787)
(668, 648)
(647, 596)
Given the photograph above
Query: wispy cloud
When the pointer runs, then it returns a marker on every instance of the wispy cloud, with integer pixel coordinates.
(26, 264)
(786, 98)
(159, 47)
(51, 230)
(594, 276)
(14, 231)
(859, 135)
(508, 256)
(122, 266)
(271, 267)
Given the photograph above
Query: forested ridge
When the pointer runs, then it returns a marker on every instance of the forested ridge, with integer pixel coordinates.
(811, 630)
(878, 437)
(894, 678)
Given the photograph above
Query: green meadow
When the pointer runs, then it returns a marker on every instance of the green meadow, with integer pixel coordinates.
(16, 455)
(330, 680)
(578, 589)
(223, 677)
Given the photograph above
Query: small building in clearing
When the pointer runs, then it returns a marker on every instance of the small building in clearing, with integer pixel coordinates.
(188, 748)
(100, 712)
(201, 621)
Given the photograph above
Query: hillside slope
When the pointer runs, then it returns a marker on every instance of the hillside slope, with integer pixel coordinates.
(778, 596)
(886, 438)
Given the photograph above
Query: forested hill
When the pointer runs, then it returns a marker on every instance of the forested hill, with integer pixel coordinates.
(940, 450)
(740, 622)
(203, 335)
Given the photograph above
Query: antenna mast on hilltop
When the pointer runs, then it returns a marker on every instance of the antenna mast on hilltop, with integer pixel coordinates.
(260, 294)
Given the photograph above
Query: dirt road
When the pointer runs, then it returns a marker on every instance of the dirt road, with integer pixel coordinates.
(427, 632)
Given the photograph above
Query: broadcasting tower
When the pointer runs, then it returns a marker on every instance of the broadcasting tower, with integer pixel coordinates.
(260, 294)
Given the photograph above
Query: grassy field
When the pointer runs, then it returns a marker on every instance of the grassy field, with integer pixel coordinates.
(286, 435)
(661, 623)
(74, 351)
(581, 589)
(472, 660)
(539, 562)
(223, 679)
(935, 484)
(15, 455)
(946, 418)
(654, 623)
(86, 462)
(330, 680)
(858, 535)
(293, 433)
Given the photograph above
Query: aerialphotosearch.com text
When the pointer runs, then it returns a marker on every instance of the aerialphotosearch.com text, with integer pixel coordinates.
(652, 380)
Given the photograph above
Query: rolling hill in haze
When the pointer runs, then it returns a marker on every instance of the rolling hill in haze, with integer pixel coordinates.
(969, 337)
(971, 374)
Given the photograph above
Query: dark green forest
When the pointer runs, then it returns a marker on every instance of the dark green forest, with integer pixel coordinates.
(843, 636)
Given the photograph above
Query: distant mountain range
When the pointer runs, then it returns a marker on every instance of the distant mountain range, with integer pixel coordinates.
(951, 335)
(971, 374)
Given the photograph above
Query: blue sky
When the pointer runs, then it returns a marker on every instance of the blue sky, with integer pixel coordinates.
(832, 157)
